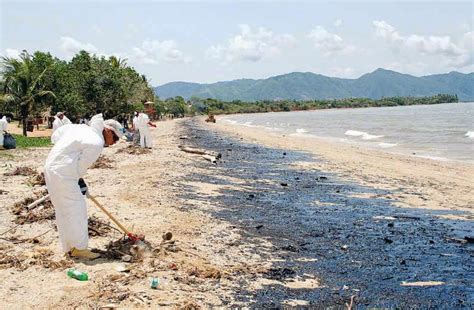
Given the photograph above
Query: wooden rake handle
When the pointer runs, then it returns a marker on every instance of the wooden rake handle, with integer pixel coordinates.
(125, 230)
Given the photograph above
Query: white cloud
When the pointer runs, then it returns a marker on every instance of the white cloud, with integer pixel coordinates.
(72, 46)
(154, 52)
(329, 43)
(338, 22)
(456, 54)
(250, 45)
(12, 53)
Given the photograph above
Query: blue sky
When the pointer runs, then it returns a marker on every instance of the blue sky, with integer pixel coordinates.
(208, 41)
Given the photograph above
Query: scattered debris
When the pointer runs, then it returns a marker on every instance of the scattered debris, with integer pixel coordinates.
(103, 162)
(209, 155)
(98, 227)
(183, 137)
(123, 249)
(407, 217)
(206, 273)
(24, 171)
(37, 180)
(283, 184)
(42, 212)
(210, 158)
(167, 236)
(134, 150)
(259, 227)
(3, 192)
(422, 283)
(38, 257)
(456, 240)
(387, 240)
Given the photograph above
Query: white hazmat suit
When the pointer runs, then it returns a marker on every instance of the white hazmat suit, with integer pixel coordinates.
(76, 148)
(60, 122)
(145, 135)
(3, 128)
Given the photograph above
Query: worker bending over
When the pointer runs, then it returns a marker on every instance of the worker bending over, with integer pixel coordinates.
(76, 148)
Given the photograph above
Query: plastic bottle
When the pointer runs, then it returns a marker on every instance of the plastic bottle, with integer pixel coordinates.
(154, 283)
(78, 275)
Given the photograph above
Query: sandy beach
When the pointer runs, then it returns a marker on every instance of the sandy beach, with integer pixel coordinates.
(279, 220)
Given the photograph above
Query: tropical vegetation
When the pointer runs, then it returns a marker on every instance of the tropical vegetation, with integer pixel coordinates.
(37, 84)
(214, 106)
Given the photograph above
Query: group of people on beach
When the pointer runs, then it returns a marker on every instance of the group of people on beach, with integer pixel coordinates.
(138, 133)
(76, 148)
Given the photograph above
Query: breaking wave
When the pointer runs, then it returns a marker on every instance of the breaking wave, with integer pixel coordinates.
(301, 130)
(386, 145)
(363, 135)
(470, 134)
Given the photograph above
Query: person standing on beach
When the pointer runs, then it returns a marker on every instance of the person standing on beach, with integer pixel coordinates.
(136, 133)
(143, 122)
(3, 128)
(76, 148)
(60, 120)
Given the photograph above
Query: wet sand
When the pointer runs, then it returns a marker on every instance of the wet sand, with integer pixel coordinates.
(272, 223)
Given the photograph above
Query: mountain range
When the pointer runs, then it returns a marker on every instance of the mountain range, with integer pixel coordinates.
(307, 85)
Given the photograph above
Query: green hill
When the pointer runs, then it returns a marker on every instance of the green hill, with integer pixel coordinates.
(305, 86)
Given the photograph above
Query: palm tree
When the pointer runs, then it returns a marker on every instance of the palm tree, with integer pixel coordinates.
(119, 63)
(22, 86)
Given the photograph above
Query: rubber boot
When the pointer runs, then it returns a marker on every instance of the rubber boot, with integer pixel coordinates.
(88, 254)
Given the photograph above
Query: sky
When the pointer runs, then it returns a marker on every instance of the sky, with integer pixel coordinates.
(209, 41)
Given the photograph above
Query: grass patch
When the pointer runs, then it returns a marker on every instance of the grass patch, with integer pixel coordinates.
(23, 142)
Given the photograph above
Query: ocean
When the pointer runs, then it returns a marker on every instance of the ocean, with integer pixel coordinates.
(440, 132)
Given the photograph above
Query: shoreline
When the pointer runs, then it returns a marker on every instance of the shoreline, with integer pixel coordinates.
(450, 187)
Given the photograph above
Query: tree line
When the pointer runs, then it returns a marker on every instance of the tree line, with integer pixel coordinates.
(215, 106)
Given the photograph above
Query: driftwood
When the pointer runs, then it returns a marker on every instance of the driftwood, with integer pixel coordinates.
(206, 153)
(210, 158)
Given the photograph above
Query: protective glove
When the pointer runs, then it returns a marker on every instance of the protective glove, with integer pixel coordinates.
(83, 186)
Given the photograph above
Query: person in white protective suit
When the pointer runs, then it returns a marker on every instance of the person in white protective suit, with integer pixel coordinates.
(136, 133)
(143, 122)
(76, 148)
(3, 128)
(60, 120)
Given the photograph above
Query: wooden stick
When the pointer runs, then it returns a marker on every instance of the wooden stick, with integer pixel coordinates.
(198, 151)
(125, 230)
(37, 202)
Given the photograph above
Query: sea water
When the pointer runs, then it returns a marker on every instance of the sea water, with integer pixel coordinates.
(439, 132)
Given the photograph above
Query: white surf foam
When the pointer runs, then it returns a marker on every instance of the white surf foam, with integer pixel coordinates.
(386, 145)
(301, 130)
(470, 134)
(231, 121)
(355, 133)
(362, 134)
(248, 124)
